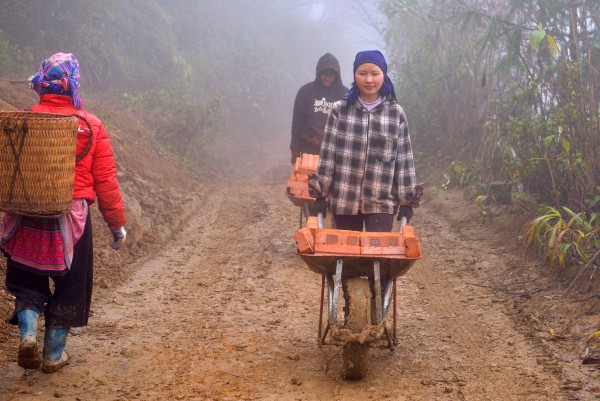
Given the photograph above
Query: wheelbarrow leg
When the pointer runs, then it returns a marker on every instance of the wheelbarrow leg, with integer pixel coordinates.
(322, 339)
(394, 319)
(321, 305)
(387, 297)
(387, 301)
(301, 212)
(391, 345)
(334, 293)
(377, 284)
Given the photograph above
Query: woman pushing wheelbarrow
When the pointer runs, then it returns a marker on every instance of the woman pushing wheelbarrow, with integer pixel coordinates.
(366, 173)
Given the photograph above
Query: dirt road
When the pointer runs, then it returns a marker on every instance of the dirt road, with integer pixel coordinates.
(227, 311)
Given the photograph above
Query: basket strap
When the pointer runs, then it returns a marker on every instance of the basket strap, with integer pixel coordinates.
(89, 144)
(8, 131)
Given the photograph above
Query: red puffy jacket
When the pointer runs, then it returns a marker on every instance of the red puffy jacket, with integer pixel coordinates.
(96, 172)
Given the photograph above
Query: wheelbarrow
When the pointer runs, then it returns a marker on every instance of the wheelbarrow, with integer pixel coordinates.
(368, 284)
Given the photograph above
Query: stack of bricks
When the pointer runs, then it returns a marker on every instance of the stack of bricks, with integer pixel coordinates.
(311, 240)
(382, 244)
(306, 164)
(305, 237)
(297, 185)
(337, 241)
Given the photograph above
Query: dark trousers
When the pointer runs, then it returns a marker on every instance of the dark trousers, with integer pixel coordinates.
(69, 304)
(374, 222)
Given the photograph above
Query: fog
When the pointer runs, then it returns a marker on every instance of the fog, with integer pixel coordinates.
(342, 28)
(304, 31)
(352, 26)
(237, 63)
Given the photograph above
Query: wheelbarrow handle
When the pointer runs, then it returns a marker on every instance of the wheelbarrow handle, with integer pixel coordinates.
(402, 222)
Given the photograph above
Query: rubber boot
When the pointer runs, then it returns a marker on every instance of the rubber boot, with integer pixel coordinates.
(55, 356)
(29, 357)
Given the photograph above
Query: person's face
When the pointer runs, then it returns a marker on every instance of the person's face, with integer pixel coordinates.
(327, 77)
(369, 79)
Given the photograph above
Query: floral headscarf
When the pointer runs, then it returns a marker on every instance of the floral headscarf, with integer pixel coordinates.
(59, 75)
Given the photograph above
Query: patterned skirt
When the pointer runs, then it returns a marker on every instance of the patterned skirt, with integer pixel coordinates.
(44, 244)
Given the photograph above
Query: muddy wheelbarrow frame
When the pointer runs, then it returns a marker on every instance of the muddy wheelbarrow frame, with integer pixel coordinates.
(381, 272)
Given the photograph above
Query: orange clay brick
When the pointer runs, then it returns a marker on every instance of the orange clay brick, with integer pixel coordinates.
(313, 224)
(330, 240)
(298, 189)
(413, 248)
(305, 241)
(378, 243)
(307, 164)
(301, 177)
(297, 163)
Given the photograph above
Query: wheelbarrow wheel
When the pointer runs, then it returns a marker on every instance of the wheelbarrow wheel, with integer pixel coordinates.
(356, 360)
(358, 306)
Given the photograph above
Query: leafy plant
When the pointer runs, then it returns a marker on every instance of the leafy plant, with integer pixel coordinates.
(457, 175)
(594, 201)
(537, 37)
(526, 202)
(509, 87)
(564, 235)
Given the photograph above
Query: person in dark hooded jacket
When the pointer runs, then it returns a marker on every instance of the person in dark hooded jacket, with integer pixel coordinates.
(313, 104)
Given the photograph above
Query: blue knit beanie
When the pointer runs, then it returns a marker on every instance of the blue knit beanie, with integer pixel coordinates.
(370, 56)
(377, 58)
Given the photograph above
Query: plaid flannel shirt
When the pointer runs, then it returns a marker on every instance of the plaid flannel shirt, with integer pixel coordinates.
(366, 161)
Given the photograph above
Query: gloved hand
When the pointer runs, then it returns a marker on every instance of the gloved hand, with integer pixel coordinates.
(119, 235)
(405, 211)
(321, 207)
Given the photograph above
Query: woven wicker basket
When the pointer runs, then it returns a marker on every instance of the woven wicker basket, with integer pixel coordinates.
(37, 162)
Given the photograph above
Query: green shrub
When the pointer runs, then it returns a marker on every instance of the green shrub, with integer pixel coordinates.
(563, 235)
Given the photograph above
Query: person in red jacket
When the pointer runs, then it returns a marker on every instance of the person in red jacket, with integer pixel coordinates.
(39, 249)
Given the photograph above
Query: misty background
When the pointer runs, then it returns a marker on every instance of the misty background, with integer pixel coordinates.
(229, 68)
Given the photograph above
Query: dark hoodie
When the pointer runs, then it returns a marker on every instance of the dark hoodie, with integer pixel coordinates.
(312, 106)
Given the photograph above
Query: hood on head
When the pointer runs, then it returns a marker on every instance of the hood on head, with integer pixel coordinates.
(328, 62)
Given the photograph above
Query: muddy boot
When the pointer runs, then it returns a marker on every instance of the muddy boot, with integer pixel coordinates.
(29, 357)
(55, 356)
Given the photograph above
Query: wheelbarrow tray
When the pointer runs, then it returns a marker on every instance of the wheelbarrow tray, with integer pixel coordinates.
(391, 266)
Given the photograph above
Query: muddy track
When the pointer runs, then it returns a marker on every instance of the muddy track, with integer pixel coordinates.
(227, 311)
